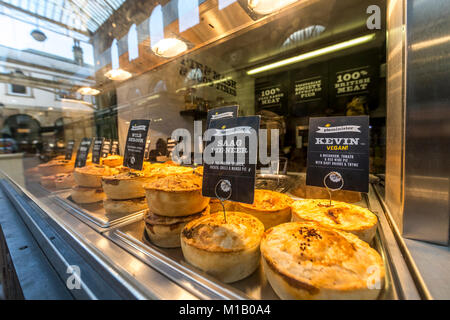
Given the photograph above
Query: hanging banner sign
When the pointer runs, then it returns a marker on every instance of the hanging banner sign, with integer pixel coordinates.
(269, 97)
(353, 81)
(307, 90)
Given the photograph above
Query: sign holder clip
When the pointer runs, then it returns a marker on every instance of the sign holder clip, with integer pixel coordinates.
(223, 186)
(334, 177)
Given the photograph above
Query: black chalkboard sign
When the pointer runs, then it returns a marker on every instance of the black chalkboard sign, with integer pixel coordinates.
(83, 151)
(221, 113)
(69, 149)
(115, 147)
(136, 144)
(339, 145)
(106, 148)
(97, 149)
(230, 159)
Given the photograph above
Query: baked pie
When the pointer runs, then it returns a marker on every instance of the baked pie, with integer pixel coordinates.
(48, 181)
(228, 250)
(176, 195)
(112, 161)
(215, 206)
(84, 195)
(124, 207)
(304, 260)
(301, 190)
(64, 181)
(91, 176)
(340, 215)
(271, 207)
(56, 166)
(165, 231)
(125, 185)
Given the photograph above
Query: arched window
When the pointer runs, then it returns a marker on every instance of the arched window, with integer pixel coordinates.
(133, 48)
(156, 26)
(225, 3)
(18, 89)
(115, 55)
(299, 36)
(188, 14)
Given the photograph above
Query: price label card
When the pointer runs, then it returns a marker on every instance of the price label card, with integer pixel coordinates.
(221, 113)
(115, 147)
(83, 151)
(135, 144)
(230, 158)
(69, 149)
(106, 148)
(97, 149)
(338, 153)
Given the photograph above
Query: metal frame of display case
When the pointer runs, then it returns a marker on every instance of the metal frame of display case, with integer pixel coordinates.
(114, 265)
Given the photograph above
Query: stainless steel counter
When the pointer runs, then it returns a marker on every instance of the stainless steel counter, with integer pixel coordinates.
(135, 269)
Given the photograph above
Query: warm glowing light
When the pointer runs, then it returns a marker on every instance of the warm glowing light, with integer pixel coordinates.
(118, 74)
(268, 6)
(169, 47)
(88, 91)
(313, 54)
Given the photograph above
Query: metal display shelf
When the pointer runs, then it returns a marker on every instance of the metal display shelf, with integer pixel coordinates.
(136, 269)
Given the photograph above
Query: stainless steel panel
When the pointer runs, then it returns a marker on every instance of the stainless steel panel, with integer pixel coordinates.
(93, 213)
(395, 87)
(427, 131)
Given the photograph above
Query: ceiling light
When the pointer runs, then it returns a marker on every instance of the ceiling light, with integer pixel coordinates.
(169, 47)
(88, 91)
(268, 6)
(118, 74)
(38, 35)
(313, 54)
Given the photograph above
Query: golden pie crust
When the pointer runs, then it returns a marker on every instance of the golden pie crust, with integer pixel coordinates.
(124, 207)
(64, 181)
(227, 250)
(215, 206)
(272, 208)
(340, 215)
(304, 260)
(176, 195)
(84, 195)
(48, 181)
(91, 176)
(112, 161)
(165, 231)
(56, 166)
(128, 183)
(125, 185)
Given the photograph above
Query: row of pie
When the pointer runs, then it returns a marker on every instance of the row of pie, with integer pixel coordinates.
(310, 249)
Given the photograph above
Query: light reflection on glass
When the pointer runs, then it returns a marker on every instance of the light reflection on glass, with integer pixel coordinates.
(156, 26)
(188, 14)
(133, 49)
(115, 54)
(225, 3)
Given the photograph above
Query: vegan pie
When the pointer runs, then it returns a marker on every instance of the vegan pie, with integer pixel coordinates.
(339, 215)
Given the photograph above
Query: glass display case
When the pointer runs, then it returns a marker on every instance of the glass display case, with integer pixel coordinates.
(74, 75)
